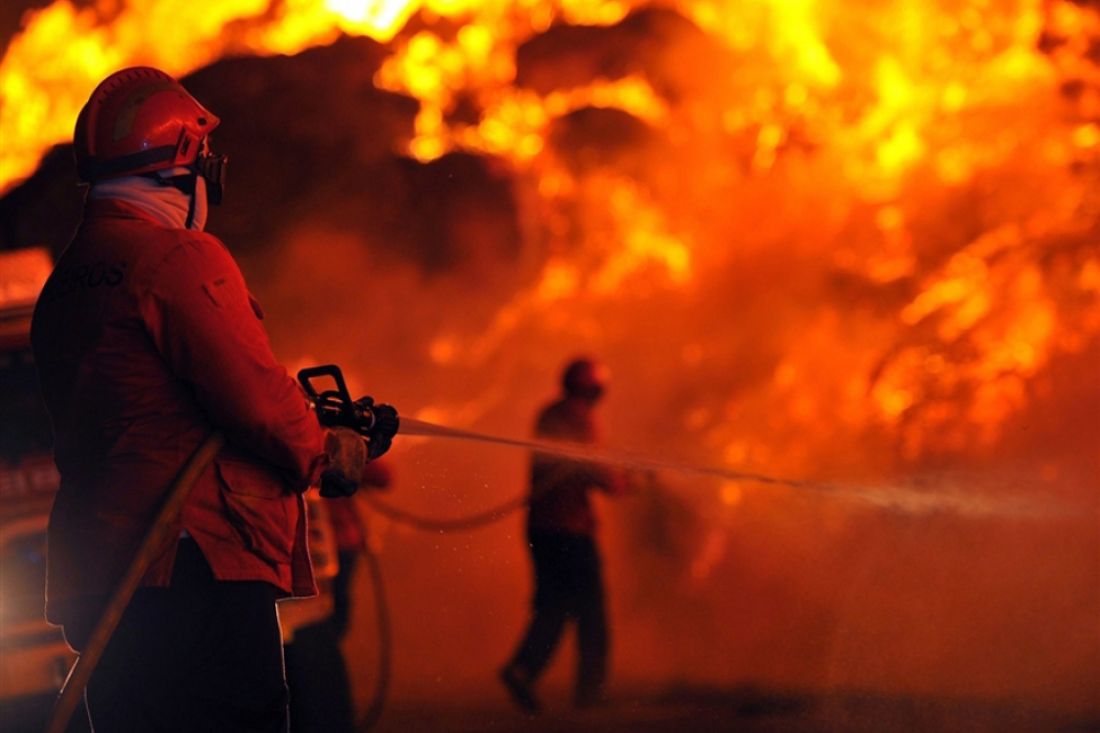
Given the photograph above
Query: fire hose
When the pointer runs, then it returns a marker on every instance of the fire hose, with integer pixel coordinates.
(384, 635)
(456, 524)
(383, 630)
(377, 423)
(336, 408)
(464, 523)
(381, 606)
(159, 533)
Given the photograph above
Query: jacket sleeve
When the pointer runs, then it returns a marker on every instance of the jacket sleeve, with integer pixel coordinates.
(206, 327)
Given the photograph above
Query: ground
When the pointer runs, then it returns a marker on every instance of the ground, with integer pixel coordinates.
(698, 710)
(689, 710)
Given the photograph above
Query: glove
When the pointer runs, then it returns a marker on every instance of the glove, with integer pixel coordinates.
(347, 457)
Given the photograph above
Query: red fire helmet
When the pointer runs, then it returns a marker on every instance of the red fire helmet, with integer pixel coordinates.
(585, 378)
(139, 120)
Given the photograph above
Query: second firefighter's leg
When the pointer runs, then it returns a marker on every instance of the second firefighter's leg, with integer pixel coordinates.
(550, 609)
(592, 633)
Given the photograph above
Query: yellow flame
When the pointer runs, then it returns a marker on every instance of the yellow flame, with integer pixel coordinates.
(559, 280)
(382, 17)
(792, 30)
(51, 67)
(646, 242)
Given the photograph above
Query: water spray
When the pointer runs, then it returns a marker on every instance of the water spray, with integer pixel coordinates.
(892, 497)
(595, 454)
(379, 423)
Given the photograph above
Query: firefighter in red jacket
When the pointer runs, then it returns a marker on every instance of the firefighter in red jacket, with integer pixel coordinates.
(560, 532)
(316, 672)
(146, 340)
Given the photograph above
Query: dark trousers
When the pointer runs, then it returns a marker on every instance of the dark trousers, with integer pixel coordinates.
(568, 585)
(200, 655)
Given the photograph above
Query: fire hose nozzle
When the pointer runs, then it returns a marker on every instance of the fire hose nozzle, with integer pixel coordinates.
(377, 423)
(384, 424)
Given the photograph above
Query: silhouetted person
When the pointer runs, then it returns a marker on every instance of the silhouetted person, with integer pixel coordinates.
(560, 532)
(316, 672)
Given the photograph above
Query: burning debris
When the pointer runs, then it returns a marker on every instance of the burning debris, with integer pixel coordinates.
(846, 242)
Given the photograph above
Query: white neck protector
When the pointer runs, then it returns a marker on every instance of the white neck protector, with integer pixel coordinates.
(168, 205)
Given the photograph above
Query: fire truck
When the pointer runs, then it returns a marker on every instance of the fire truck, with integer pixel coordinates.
(34, 658)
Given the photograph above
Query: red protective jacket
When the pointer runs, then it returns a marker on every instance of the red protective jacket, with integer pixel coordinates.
(559, 487)
(146, 340)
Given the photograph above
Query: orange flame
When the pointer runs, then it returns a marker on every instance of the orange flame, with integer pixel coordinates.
(914, 92)
(869, 215)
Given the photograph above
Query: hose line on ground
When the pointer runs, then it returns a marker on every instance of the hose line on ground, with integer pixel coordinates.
(382, 612)
(457, 524)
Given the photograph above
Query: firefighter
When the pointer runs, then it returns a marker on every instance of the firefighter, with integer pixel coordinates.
(561, 529)
(317, 673)
(147, 340)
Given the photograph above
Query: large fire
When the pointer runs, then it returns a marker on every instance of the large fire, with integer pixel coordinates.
(853, 241)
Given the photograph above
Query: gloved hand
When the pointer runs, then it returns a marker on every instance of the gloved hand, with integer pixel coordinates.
(347, 457)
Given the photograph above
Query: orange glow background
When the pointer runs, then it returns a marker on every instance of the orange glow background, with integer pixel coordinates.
(853, 241)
